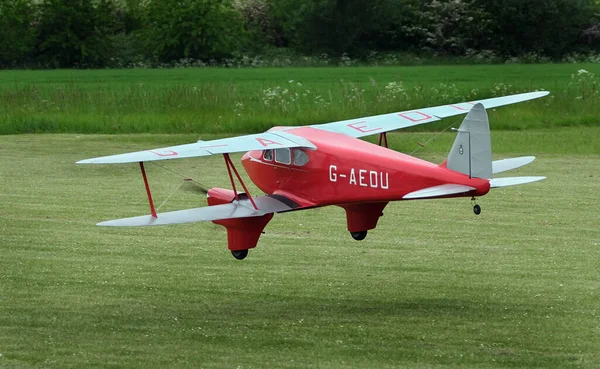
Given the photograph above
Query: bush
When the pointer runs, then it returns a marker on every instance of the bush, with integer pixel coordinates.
(452, 27)
(197, 29)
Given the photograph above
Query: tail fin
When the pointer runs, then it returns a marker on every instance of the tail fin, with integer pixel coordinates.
(471, 153)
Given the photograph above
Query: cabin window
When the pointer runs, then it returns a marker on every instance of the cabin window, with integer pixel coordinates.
(283, 156)
(300, 157)
(268, 155)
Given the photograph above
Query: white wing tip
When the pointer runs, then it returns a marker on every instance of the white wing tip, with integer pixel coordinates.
(96, 161)
(115, 159)
(87, 161)
(534, 94)
(140, 221)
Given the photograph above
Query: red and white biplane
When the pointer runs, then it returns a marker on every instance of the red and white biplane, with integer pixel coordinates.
(326, 164)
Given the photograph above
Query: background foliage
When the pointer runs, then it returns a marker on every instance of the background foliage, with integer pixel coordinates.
(125, 33)
(248, 100)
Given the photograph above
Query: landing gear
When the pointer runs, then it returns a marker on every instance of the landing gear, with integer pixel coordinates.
(476, 207)
(359, 236)
(239, 254)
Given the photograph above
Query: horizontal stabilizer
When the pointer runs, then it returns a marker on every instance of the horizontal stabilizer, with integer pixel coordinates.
(513, 181)
(438, 191)
(236, 209)
(499, 166)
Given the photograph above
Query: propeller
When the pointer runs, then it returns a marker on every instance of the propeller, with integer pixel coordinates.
(190, 185)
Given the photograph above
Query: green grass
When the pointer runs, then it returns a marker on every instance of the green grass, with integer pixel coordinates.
(217, 100)
(434, 286)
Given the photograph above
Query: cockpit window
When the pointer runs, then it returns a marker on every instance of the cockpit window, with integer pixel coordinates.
(283, 156)
(268, 155)
(300, 157)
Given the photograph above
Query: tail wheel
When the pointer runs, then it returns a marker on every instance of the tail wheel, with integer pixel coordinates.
(239, 254)
(359, 236)
(476, 207)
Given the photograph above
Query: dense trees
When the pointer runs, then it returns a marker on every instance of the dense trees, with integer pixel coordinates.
(17, 37)
(108, 33)
(74, 32)
(551, 28)
(198, 29)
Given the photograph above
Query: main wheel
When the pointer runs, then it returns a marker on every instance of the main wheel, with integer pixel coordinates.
(239, 254)
(359, 236)
(477, 209)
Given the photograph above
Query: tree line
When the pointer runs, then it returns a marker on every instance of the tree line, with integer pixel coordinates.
(113, 33)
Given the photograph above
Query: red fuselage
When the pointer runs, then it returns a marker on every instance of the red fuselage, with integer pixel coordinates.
(345, 170)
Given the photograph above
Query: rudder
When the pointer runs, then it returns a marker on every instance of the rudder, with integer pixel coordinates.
(471, 152)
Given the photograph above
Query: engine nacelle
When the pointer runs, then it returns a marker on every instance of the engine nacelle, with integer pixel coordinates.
(242, 233)
(364, 216)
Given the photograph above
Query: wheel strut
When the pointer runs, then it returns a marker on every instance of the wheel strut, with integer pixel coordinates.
(476, 207)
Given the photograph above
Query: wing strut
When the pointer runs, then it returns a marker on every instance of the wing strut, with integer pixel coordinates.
(230, 166)
(383, 139)
(152, 209)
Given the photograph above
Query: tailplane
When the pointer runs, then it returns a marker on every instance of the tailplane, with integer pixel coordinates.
(513, 181)
(499, 166)
(471, 153)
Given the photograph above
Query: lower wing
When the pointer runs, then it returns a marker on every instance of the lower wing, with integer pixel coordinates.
(438, 191)
(242, 208)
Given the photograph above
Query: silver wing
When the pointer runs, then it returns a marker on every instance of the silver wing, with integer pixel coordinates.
(388, 122)
(262, 141)
(236, 209)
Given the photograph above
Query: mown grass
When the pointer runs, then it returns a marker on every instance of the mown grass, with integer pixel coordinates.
(432, 286)
(216, 100)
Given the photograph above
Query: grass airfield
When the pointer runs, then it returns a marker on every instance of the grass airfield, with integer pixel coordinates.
(434, 286)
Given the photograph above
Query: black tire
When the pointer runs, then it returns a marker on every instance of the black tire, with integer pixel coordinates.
(239, 254)
(359, 236)
(477, 209)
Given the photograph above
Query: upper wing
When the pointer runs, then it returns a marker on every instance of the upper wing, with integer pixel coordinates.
(262, 141)
(388, 122)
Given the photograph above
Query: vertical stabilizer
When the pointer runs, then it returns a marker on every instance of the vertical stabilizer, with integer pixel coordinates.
(471, 153)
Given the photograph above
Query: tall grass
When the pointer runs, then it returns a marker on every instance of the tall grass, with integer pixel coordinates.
(251, 100)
